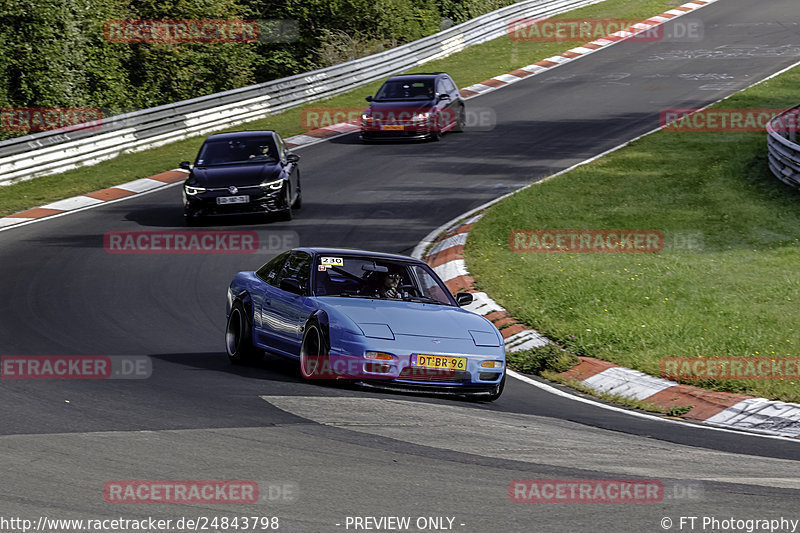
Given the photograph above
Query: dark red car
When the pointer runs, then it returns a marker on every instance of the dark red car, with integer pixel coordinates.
(414, 106)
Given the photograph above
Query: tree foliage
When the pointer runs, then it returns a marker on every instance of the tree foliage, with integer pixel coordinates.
(55, 52)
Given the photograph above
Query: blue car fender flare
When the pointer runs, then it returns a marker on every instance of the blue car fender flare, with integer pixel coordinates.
(321, 317)
(247, 303)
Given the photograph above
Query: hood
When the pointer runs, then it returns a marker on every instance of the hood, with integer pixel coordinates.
(412, 318)
(242, 174)
(383, 110)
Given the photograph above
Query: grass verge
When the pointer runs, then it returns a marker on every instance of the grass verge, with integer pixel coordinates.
(735, 292)
(470, 66)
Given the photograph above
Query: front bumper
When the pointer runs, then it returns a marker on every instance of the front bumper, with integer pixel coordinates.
(259, 202)
(400, 370)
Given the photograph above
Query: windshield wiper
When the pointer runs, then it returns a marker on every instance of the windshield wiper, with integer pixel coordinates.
(424, 299)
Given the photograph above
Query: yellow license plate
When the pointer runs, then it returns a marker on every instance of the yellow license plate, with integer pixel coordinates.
(441, 361)
(392, 127)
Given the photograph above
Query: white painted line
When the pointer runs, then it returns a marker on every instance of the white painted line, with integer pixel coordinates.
(76, 202)
(344, 126)
(455, 240)
(508, 78)
(581, 50)
(482, 304)
(627, 383)
(558, 392)
(473, 220)
(533, 68)
(525, 340)
(9, 221)
(140, 185)
(760, 413)
(451, 270)
(480, 88)
(303, 139)
(559, 59)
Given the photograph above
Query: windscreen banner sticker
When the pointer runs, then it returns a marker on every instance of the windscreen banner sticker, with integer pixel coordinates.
(332, 261)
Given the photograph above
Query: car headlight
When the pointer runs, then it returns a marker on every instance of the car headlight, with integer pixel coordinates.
(383, 356)
(274, 185)
(192, 191)
(422, 116)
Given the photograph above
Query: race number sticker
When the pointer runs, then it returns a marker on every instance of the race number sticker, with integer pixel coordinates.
(332, 261)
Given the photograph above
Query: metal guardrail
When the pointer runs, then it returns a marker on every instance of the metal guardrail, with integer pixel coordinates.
(52, 152)
(783, 149)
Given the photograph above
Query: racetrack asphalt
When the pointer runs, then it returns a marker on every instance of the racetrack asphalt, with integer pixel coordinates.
(199, 418)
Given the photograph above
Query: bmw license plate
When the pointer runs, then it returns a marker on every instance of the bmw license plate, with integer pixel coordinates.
(392, 127)
(440, 361)
(224, 200)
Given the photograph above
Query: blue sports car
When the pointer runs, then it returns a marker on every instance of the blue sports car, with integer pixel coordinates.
(375, 318)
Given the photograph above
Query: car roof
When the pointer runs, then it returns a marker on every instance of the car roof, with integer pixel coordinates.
(421, 75)
(241, 134)
(361, 253)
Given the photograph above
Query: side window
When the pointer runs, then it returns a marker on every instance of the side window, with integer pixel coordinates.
(441, 86)
(449, 85)
(269, 272)
(298, 266)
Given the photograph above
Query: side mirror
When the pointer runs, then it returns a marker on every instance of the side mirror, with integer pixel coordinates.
(444, 96)
(368, 98)
(291, 285)
(463, 298)
(185, 165)
(292, 158)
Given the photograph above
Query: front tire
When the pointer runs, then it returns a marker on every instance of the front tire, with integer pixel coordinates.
(239, 337)
(461, 120)
(298, 202)
(288, 213)
(498, 390)
(313, 351)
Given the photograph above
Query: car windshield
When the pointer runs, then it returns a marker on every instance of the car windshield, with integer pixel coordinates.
(406, 90)
(230, 151)
(378, 278)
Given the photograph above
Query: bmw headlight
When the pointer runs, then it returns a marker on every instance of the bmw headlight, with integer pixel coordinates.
(192, 191)
(274, 185)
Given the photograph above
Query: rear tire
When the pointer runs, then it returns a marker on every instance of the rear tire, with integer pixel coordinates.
(239, 337)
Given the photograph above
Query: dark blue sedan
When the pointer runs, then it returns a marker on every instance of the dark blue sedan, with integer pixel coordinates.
(242, 173)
